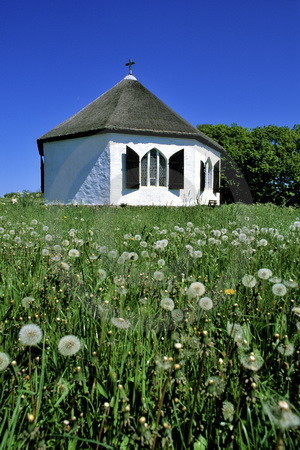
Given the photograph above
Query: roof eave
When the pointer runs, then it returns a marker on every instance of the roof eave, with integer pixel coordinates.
(206, 141)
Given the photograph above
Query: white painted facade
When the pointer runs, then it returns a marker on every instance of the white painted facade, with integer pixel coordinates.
(92, 170)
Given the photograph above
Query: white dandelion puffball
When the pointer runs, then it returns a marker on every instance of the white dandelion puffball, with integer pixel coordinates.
(286, 349)
(264, 274)
(167, 304)
(26, 301)
(177, 315)
(196, 289)
(275, 280)
(262, 243)
(205, 303)
(291, 283)
(102, 274)
(252, 361)
(161, 262)
(4, 361)
(74, 253)
(279, 289)
(119, 322)
(281, 415)
(30, 334)
(69, 345)
(296, 310)
(249, 281)
(235, 330)
(158, 275)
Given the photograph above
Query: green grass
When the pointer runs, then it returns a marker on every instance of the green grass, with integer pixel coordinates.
(130, 387)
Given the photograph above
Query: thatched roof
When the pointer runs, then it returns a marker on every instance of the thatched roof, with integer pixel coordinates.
(126, 108)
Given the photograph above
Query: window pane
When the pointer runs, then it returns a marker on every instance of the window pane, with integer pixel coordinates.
(153, 167)
(162, 171)
(144, 170)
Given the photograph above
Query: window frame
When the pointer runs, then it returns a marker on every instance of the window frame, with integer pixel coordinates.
(158, 155)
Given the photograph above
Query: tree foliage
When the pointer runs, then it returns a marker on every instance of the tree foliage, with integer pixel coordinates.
(264, 159)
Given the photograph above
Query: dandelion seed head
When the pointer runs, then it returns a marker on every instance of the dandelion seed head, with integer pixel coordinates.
(264, 274)
(119, 322)
(102, 274)
(69, 345)
(228, 411)
(290, 283)
(205, 303)
(262, 243)
(196, 289)
(253, 361)
(30, 334)
(4, 361)
(275, 280)
(281, 415)
(296, 310)
(177, 315)
(249, 281)
(167, 304)
(279, 289)
(158, 275)
(65, 266)
(286, 349)
(74, 253)
(215, 386)
(26, 301)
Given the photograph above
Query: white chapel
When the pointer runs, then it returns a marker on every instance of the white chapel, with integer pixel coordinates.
(128, 147)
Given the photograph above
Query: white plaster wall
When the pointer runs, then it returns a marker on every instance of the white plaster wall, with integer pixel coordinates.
(91, 170)
(194, 152)
(78, 170)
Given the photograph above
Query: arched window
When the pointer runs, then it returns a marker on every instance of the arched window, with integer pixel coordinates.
(153, 169)
(208, 175)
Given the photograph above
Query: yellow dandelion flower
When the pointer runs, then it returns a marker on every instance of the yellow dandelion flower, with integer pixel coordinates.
(229, 291)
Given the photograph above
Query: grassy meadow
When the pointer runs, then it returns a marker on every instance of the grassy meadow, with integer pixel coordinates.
(151, 327)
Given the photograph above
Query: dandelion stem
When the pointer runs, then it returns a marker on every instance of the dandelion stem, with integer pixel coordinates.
(190, 426)
(159, 408)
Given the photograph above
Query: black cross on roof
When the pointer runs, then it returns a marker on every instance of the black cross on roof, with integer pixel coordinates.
(130, 63)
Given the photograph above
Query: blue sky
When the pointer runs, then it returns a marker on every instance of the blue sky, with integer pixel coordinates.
(212, 61)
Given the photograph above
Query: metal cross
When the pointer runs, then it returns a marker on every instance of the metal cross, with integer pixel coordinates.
(130, 63)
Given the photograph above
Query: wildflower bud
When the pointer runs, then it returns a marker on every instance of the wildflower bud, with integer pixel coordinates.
(177, 366)
(177, 345)
(78, 369)
(14, 363)
(276, 335)
(66, 422)
(205, 333)
(109, 332)
(127, 408)
(120, 386)
(142, 420)
(253, 385)
(183, 408)
(106, 405)
(74, 418)
(221, 361)
(94, 353)
(30, 418)
(283, 405)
